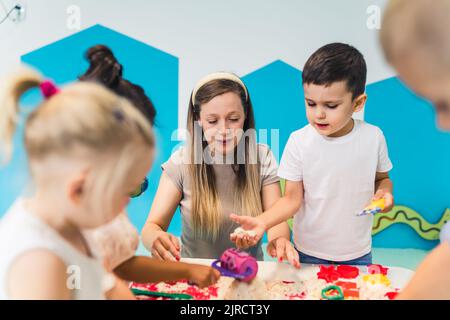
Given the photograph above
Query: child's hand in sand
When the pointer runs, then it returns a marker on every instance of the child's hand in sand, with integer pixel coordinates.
(251, 231)
(282, 249)
(202, 276)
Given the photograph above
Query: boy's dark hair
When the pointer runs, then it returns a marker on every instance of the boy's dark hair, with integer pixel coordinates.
(104, 68)
(337, 62)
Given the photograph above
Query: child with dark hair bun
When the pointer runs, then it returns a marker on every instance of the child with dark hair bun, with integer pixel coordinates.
(104, 68)
(119, 240)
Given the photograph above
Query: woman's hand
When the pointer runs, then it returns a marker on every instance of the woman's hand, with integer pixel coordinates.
(281, 248)
(202, 276)
(249, 224)
(166, 247)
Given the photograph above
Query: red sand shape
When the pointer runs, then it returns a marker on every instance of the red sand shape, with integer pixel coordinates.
(377, 269)
(350, 289)
(329, 274)
(346, 285)
(351, 294)
(296, 296)
(348, 272)
(391, 295)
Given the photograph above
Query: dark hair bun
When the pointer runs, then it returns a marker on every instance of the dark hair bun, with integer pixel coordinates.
(103, 67)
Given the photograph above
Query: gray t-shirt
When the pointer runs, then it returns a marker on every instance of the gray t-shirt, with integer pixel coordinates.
(193, 247)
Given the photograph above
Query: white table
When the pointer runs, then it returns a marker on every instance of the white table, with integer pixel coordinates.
(268, 270)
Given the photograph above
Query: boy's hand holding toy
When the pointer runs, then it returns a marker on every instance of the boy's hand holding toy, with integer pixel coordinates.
(382, 201)
(388, 198)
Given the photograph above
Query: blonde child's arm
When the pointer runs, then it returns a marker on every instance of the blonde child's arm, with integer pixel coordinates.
(161, 244)
(38, 275)
(144, 269)
(282, 210)
(383, 189)
(432, 278)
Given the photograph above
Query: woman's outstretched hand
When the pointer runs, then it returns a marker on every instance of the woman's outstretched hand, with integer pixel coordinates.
(253, 231)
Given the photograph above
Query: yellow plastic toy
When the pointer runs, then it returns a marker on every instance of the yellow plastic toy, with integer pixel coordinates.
(373, 208)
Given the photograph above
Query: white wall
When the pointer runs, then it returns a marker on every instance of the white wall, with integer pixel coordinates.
(206, 35)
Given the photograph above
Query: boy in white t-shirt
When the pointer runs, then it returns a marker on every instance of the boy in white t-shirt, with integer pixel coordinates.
(333, 167)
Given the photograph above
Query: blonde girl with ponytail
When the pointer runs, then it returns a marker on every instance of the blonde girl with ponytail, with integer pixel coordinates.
(221, 170)
(87, 149)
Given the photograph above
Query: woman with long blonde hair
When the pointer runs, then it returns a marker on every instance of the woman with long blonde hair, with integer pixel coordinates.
(221, 170)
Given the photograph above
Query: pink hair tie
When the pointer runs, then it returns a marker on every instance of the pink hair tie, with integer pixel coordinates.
(48, 88)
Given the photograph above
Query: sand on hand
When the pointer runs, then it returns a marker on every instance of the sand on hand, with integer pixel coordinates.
(240, 231)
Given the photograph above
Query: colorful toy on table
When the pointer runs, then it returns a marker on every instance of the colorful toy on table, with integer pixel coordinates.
(375, 207)
(377, 278)
(377, 269)
(332, 293)
(157, 294)
(237, 264)
(175, 290)
(332, 273)
(355, 283)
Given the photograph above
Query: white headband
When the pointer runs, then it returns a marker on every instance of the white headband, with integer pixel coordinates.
(218, 76)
